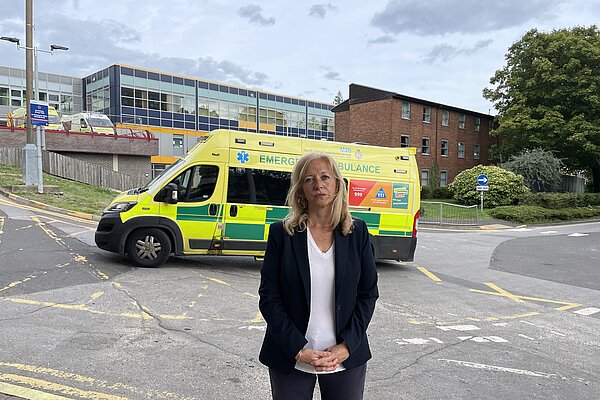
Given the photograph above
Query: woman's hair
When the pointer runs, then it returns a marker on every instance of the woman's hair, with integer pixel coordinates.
(298, 214)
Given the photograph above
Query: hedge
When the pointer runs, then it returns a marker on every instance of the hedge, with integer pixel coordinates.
(560, 200)
(538, 214)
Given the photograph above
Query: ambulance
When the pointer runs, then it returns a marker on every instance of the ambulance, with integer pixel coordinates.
(221, 198)
(88, 121)
(18, 119)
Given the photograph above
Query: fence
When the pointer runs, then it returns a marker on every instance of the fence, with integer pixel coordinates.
(448, 214)
(74, 169)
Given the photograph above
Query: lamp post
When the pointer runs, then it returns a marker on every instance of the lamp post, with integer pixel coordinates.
(30, 150)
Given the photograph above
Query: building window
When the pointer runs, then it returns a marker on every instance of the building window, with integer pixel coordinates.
(461, 150)
(445, 117)
(425, 145)
(443, 178)
(476, 151)
(425, 177)
(477, 124)
(404, 139)
(491, 124)
(405, 109)
(444, 148)
(461, 121)
(426, 114)
(178, 146)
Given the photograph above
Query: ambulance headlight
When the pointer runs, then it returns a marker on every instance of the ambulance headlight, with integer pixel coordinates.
(120, 207)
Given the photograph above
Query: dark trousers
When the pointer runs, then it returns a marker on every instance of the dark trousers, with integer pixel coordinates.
(298, 385)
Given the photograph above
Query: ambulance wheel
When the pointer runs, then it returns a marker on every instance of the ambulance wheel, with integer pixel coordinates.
(148, 247)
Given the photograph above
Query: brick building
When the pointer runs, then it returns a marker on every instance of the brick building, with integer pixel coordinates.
(457, 138)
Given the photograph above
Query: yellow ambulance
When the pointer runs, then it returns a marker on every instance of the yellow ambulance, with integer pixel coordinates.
(18, 119)
(222, 196)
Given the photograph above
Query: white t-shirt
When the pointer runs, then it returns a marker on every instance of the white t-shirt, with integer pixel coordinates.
(320, 332)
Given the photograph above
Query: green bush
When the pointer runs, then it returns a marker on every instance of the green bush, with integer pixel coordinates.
(540, 169)
(426, 192)
(560, 200)
(505, 187)
(442, 193)
(537, 214)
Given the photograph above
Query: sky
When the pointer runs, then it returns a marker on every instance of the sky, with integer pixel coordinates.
(443, 51)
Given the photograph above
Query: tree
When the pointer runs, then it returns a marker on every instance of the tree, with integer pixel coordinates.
(548, 97)
(338, 99)
(505, 187)
(539, 168)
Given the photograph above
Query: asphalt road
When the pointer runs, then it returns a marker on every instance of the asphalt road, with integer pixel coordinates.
(505, 314)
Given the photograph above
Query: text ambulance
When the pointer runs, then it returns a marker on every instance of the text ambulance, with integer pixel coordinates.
(222, 196)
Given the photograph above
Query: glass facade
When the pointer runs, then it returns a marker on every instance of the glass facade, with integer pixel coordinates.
(138, 96)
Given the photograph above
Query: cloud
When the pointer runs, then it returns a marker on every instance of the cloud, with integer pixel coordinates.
(332, 76)
(319, 10)
(253, 13)
(445, 52)
(382, 40)
(438, 17)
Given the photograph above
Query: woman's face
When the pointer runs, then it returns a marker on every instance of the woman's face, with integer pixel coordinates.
(319, 184)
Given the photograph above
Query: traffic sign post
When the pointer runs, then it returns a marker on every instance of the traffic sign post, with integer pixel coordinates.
(38, 111)
(482, 186)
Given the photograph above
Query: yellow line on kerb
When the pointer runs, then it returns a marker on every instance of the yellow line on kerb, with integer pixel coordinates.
(26, 393)
(429, 274)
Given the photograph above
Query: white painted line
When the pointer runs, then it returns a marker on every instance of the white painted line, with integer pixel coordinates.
(558, 333)
(461, 328)
(587, 311)
(500, 324)
(528, 323)
(416, 341)
(578, 234)
(463, 338)
(483, 339)
(526, 337)
(520, 229)
(549, 232)
(435, 340)
(496, 339)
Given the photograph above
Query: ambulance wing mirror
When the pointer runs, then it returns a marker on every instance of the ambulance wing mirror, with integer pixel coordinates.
(168, 194)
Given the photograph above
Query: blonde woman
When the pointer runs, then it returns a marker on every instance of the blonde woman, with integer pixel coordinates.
(318, 289)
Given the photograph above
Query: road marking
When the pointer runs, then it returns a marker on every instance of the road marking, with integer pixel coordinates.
(500, 369)
(258, 319)
(526, 337)
(483, 339)
(558, 333)
(587, 311)
(26, 393)
(40, 211)
(93, 382)
(429, 274)
(576, 234)
(49, 231)
(458, 328)
(15, 283)
(218, 281)
(503, 293)
(549, 232)
(68, 390)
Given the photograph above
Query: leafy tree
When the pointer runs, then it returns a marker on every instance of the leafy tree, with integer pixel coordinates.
(548, 96)
(505, 186)
(338, 99)
(539, 168)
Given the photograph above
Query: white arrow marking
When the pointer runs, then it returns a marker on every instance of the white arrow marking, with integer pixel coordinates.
(587, 311)
(578, 234)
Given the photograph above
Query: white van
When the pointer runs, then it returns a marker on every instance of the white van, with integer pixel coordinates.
(88, 121)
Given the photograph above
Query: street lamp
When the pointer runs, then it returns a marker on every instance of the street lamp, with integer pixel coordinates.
(27, 173)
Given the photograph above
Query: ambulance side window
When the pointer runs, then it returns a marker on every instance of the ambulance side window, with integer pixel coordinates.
(257, 186)
(196, 183)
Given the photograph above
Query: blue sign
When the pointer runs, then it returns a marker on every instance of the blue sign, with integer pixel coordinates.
(482, 180)
(39, 113)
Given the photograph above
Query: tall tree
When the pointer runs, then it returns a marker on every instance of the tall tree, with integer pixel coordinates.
(338, 99)
(548, 96)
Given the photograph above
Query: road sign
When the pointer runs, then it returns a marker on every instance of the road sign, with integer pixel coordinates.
(482, 180)
(483, 188)
(39, 113)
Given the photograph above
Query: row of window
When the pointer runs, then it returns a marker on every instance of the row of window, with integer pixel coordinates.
(426, 147)
(425, 178)
(18, 98)
(445, 117)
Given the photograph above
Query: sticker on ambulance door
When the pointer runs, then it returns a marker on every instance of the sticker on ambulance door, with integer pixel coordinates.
(378, 194)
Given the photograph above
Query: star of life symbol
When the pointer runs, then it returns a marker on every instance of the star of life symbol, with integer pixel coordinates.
(358, 154)
(243, 157)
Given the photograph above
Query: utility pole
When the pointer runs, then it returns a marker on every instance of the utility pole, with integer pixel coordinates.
(30, 150)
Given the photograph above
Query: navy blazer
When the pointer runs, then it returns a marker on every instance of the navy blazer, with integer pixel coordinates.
(285, 295)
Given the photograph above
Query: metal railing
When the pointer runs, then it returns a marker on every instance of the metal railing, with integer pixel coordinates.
(448, 214)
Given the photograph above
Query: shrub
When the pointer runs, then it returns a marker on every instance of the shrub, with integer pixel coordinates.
(505, 187)
(540, 169)
(426, 192)
(442, 193)
(560, 200)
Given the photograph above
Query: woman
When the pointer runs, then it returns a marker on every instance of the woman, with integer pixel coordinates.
(318, 289)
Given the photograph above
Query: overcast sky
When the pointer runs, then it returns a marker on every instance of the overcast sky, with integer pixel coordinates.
(443, 51)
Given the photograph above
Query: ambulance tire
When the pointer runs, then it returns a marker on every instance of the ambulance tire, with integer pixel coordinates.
(148, 247)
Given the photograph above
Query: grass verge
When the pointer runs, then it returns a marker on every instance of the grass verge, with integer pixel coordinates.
(74, 196)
